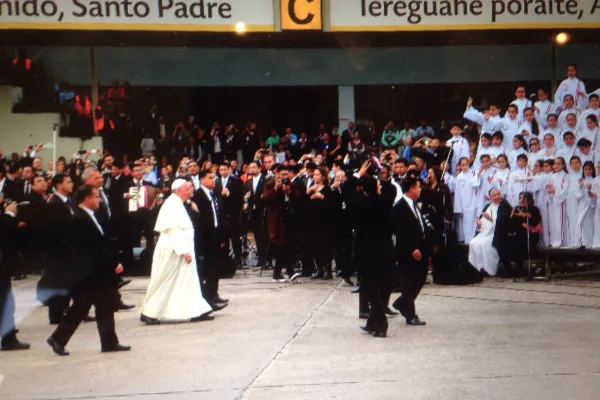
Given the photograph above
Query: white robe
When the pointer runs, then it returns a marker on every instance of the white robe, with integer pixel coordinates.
(537, 185)
(509, 129)
(480, 152)
(535, 157)
(512, 157)
(495, 151)
(596, 190)
(545, 108)
(500, 181)
(482, 255)
(557, 209)
(174, 292)
(585, 216)
(490, 125)
(460, 147)
(516, 188)
(571, 86)
(584, 114)
(465, 204)
(522, 104)
(486, 183)
(526, 130)
(562, 120)
(556, 133)
(572, 202)
(566, 153)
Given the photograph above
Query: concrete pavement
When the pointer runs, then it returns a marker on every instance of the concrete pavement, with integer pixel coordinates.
(497, 340)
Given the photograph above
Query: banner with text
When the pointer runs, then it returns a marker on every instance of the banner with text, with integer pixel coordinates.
(400, 15)
(142, 15)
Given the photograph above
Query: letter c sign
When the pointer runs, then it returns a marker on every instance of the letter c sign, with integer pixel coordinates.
(301, 15)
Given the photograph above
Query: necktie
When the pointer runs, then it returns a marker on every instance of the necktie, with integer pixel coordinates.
(418, 217)
(69, 204)
(27, 187)
(216, 207)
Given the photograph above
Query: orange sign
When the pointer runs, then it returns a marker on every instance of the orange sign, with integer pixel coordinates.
(301, 15)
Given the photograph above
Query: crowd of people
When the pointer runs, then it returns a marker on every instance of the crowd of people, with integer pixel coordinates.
(382, 206)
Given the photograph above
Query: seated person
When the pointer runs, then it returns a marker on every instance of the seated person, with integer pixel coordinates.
(486, 248)
(518, 226)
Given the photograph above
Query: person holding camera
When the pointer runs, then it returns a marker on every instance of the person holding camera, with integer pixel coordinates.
(281, 198)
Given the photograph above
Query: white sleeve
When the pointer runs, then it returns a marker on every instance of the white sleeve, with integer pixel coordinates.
(472, 114)
(178, 241)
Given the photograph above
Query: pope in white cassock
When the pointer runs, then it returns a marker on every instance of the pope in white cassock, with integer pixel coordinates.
(174, 292)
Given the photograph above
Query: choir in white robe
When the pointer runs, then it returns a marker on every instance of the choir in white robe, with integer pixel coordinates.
(526, 130)
(486, 183)
(465, 204)
(572, 208)
(549, 153)
(571, 86)
(537, 185)
(534, 157)
(495, 151)
(509, 129)
(585, 217)
(489, 125)
(583, 156)
(482, 255)
(174, 292)
(517, 183)
(556, 134)
(460, 147)
(542, 110)
(500, 181)
(557, 209)
(481, 151)
(522, 104)
(566, 153)
(589, 134)
(596, 190)
(585, 113)
(512, 157)
(562, 120)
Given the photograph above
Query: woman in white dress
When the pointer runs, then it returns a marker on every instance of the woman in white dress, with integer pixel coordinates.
(482, 254)
(585, 217)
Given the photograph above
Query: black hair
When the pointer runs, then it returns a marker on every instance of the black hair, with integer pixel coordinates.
(593, 96)
(522, 140)
(487, 136)
(568, 133)
(552, 115)
(535, 128)
(568, 95)
(505, 159)
(484, 156)
(592, 118)
(409, 182)
(83, 192)
(204, 172)
(522, 157)
(59, 179)
(369, 185)
(591, 165)
(584, 142)
(528, 196)
(564, 163)
(574, 158)
(402, 161)
(498, 134)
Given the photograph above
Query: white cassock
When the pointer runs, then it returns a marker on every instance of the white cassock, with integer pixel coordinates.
(585, 113)
(542, 110)
(480, 152)
(585, 217)
(490, 125)
(526, 130)
(174, 292)
(571, 86)
(566, 153)
(521, 104)
(465, 205)
(486, 183)
(460, 148)
(557, 209)
(562, 120)
(509, 129)
(556, 133)
(512, 158)
(516, 188)
(482, 255)
(500, 181)
(537, 185)
(573, 197)
(534, 157)
(596, 190)
(584, 157)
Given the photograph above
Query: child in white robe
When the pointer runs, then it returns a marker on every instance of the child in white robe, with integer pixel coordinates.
(569, 108)
(572, 86)
(528, 127)
(591, 132)
(465, 201)
(517, 180)
(510, 123)
(553, 129)
(497, 145)
(459, 146)
(537, 185)
(490, 120)
(485, 147)
(585, 217)
(535, 153)
(501, 177)
(557, 190)
(549, 146)
(572, 202)
(595, 194)
(522, 102)
(584, 151)
(593, 109)
(543, 108)
(519, 147)
(569, 147)
(485, 175)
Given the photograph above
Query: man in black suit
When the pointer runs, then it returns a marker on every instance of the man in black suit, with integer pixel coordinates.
(93, 278)
(256, 210)
(61, 209)
(210, 237)
(20, 189)
(8, 231)
(231, 190)
(412, 249)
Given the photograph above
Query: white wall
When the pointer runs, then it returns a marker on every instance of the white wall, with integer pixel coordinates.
(18, 131)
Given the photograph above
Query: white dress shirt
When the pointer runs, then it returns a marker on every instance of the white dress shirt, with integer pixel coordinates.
(415, 211)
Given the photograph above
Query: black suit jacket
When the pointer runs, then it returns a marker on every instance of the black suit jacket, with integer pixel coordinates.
(208, 238)
(118, 187)
(8, 247)
(15, 190)
(409, 234)
(503, 226)
(232, 204)
(94, 261)
(256, 205)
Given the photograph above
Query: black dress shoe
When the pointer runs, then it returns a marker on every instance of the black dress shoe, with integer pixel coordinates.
(14, 345)
(124, 282)
(367, 329)
(204, 317)
(218, 299)
(113, 349)
(356, 290)
(348, 281)
(124, 306)
(89, 318)
(149, 321)
(389, 311)
(363, 315)
(57, 348)
(218, 306)
(380, 334)
(415, 322)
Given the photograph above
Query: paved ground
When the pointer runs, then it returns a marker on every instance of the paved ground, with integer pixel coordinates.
(497, 340)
